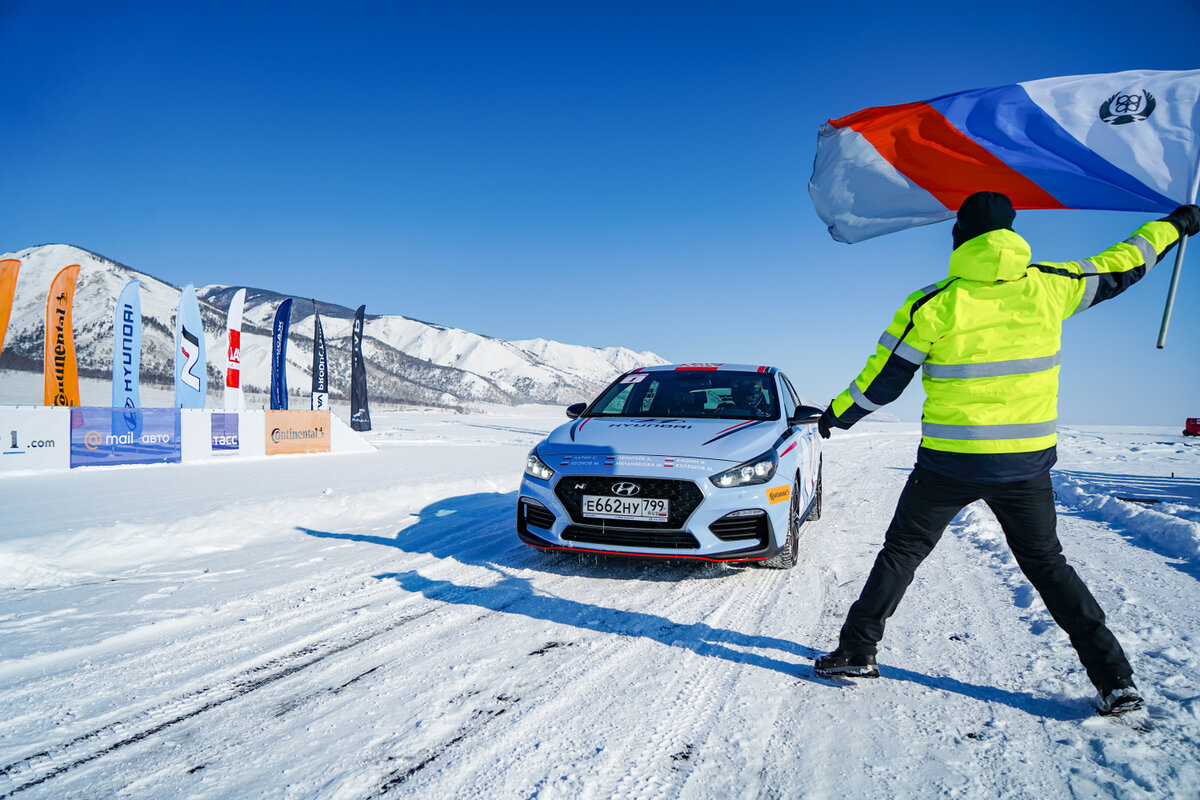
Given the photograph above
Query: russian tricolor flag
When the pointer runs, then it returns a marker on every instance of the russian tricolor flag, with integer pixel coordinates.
(1126, 141)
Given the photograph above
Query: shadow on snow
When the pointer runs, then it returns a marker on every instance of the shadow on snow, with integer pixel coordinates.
(479, 529)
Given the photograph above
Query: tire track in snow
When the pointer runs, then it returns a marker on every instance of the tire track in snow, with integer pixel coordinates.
(58, 760)
(630, 644)
(658, 754)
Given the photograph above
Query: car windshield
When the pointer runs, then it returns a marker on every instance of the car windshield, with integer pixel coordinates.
(717, 394)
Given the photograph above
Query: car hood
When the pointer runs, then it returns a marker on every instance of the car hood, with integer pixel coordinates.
(710, 439)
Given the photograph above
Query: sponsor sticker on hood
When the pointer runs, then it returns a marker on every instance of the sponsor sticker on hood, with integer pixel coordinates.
(602, 460)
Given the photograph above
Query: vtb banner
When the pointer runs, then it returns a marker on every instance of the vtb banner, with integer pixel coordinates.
(191, 366)
(61, 373)
(235, 398)
(127, 348)
(279, 337)
(1123, 141)
(360, 413)
(9, 268)
(320, 372)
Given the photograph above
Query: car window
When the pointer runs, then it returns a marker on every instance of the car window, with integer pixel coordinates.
(618, 402)
(789, 397)
(720, 394)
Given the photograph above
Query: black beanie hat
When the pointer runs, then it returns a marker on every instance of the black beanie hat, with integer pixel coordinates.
(980, 213)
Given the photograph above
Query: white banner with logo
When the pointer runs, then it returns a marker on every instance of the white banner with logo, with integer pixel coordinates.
(35, 437)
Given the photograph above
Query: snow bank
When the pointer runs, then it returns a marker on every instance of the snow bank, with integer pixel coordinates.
(1170, 532)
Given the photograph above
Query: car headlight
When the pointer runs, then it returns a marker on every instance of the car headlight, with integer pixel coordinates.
(536, 468)
(755, 471)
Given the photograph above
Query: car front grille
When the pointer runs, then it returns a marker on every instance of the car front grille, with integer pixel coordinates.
(626, 537)
(684, 497)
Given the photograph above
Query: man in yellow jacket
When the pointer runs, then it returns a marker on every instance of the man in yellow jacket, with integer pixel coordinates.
(986, 339)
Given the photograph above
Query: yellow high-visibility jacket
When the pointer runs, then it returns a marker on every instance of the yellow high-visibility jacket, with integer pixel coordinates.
(987, 341)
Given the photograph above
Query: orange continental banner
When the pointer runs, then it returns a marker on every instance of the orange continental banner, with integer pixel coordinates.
(297, 432)
(8, 288)
(62, 377)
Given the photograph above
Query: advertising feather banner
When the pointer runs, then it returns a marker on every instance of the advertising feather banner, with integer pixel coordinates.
(320, 372)
(279, 336)
(235, 398)
(191, 366)
(9, 268)
(127, 351)
(61, 373)
(360, 414)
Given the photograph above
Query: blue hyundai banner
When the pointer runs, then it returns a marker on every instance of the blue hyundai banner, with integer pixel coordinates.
(279, 334)
(106, 436)
(224, 433)
(127, 349)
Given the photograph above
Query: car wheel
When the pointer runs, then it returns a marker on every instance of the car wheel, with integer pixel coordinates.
(814, 511)
(790, 554)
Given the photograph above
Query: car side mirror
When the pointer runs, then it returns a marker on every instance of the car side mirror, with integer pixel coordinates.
(805, 415)
(575, 409)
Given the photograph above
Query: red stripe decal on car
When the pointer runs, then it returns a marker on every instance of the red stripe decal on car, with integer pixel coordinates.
(672, 556)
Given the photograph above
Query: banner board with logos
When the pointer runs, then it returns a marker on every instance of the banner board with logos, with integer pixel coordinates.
(297, 432)
(35, 437)
(224, 434)
(59, 437)
(102, 436)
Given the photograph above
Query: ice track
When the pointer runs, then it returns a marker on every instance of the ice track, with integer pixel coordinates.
(359, 627)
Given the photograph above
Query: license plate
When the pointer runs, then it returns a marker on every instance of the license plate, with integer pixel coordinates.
(635, 508)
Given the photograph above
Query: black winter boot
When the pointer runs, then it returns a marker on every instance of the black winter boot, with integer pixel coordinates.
(846, 665)
(1120, 699)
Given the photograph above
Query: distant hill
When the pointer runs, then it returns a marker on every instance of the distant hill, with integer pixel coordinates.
(409, 362)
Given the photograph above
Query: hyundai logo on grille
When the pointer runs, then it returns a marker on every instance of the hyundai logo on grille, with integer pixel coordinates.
(625, 489)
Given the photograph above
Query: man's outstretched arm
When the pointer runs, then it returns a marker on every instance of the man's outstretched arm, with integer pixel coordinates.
(898, 354)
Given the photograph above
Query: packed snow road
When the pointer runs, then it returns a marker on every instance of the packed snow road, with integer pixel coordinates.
(368, 626)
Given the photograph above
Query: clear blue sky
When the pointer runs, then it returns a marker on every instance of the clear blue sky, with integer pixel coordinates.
(600, 173)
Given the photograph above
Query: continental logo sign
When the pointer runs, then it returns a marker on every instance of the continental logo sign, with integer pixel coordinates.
(297, 432)
(779, 494)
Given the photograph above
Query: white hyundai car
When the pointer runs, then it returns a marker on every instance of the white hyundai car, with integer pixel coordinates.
(720, 462)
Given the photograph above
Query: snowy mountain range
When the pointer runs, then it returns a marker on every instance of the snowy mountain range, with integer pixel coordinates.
(409, 363)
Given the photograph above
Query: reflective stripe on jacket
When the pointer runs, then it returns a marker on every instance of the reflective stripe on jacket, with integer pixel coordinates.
(987, 340)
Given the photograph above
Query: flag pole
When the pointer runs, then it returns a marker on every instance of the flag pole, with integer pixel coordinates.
(1166, 320)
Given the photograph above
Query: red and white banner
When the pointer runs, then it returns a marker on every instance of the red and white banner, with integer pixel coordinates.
(235, 398)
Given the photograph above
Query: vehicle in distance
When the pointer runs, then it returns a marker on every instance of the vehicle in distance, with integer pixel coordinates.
(720, 462)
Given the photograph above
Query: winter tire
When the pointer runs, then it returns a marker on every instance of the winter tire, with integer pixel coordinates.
(790, 554)
(814, 511)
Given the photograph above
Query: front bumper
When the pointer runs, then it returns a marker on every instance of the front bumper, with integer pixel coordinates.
(700, 527)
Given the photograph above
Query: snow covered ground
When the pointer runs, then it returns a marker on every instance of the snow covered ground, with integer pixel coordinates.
(369, 625)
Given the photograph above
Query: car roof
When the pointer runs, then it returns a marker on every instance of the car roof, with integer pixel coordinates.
(706, 367)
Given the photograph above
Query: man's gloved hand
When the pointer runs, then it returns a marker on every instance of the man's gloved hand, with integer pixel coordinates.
(823, 423)
(1187, 219)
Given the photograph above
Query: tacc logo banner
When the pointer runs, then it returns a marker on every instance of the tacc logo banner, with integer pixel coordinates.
(225, 433)
(297, 432)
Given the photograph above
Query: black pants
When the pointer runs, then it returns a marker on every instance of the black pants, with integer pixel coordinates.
(1025, 510)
